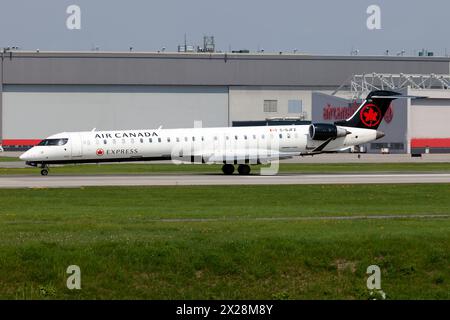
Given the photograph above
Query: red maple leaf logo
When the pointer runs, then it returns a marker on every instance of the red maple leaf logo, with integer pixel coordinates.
(100, 152)
(370, 115)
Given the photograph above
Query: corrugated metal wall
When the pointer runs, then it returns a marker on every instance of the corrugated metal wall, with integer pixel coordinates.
(35, 111)
(429, 118)
(309, 72)
(247, 102)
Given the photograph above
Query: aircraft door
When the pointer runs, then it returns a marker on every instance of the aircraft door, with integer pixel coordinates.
(76, 144)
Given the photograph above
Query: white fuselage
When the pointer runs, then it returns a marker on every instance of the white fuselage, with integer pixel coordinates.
(212, 145)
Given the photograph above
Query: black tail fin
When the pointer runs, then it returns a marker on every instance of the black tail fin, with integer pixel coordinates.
(371, 112)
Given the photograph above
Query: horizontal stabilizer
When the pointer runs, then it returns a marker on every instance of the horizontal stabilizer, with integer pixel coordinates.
(399, 97)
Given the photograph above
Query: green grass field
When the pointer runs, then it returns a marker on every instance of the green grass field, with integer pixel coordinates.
(150, 242)
(8, 159)
(139, 168)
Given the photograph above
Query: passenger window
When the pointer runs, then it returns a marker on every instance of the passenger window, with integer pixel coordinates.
(150, 140)
(105, 142)
(203, 138)
(193, 138)
(235, 137)
(262, 136)
(288, 135)
(123, 141)
(178, 139)
(245, 137)
(142, 140)
(159, 139)
(254, 136)
(168, 139)
(281, 136)
(185, 139)
(228, 138)
(215, 138)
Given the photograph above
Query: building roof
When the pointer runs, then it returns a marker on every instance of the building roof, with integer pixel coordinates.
(221, 69)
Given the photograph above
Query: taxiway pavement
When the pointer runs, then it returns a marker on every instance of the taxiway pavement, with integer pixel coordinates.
(67, 181)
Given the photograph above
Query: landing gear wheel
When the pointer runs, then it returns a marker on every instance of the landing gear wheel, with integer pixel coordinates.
(244, 169)
(44, 172)
(228, 169)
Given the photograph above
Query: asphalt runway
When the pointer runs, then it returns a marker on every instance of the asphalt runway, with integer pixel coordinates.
(216, 179)
(321, 158)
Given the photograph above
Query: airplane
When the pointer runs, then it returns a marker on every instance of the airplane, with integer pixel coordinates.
(228, 146)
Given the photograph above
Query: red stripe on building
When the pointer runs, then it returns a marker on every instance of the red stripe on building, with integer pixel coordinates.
(20, 142)
(431, 143)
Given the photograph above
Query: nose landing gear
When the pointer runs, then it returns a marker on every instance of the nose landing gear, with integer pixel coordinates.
(44, 170)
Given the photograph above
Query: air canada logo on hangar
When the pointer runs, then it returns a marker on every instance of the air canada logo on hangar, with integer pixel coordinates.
(389, 115)
(126, 135)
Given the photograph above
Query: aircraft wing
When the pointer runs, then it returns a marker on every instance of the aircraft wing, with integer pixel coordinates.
(252, 156)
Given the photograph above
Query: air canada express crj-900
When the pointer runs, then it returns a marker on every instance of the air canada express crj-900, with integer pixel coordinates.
(229, 146)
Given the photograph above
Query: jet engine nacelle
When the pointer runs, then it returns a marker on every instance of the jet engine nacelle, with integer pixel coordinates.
(325, 131)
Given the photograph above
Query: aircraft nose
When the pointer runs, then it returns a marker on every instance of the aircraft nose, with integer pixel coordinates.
(26, 156)
(23, 156)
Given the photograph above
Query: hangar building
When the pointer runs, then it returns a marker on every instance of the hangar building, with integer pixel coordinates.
(42, 93)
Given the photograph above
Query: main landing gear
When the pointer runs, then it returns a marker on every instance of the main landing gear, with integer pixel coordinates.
(243, 169)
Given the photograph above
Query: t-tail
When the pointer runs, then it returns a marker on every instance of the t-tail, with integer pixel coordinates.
(371, 112)
(368, 116)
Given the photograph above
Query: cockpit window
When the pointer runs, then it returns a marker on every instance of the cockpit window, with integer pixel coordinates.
(53, 142)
